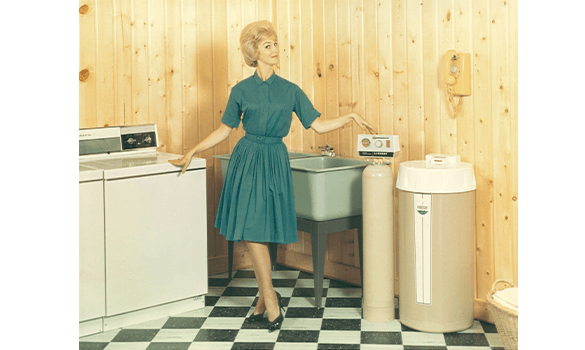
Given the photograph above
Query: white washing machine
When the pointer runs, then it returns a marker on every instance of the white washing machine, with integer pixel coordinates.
(92, 279)
(154, 222)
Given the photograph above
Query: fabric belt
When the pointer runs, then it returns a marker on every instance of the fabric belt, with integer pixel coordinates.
(262, 139)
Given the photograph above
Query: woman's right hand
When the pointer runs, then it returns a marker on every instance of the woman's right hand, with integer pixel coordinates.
(184, 162)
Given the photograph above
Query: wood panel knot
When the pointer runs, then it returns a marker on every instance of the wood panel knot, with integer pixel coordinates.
(331, 66)
(83, 9)
(83, 75)
(318, 70)
(514, 198)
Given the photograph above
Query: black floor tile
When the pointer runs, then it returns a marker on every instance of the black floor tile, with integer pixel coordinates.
(307, 292)
(282, 282)
(239, 292)
(211, 300)
(244, 274)
(405, 328)
(88, 345)
(168, 346)
(466, 339)
(304, 312)
(305, 275)
(208, 335)
(339, 284)
(284, 300)
(218, 282)
(135, 335)
(338, 324)
(184, 322)
(292, 336)
(419, 347)
(229, 311)
(262, 324)
(279, 267)
(394, 338)
(488, 327)
(249, 346)
(343, 302)
(338, 346)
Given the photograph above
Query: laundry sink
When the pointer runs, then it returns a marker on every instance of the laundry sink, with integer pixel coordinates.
(326, 188)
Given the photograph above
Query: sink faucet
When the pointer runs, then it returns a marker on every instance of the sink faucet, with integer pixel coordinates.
(327, 150)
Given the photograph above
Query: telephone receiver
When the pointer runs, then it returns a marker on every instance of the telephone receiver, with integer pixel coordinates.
(457, 72)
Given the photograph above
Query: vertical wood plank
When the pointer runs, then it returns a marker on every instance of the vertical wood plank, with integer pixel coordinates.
(319, 65)
(173, 76)
(235, 58)
(307, 81)
(483, 149)
(264, 10)
(433, 80)
(371, 74)
(385, 68)
(331, 69)
(513, 64)
(296, 130)
(140, 90)
(414, 41)
(344, 75)
(464, 44)
(105, 63)
(157, 82)
(502, 149)
(87, 63)
(123, 57)
(446, 42)
(400, 80)
(358, 75)
(191, 84)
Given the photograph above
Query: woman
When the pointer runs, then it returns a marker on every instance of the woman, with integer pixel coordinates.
(257, 199)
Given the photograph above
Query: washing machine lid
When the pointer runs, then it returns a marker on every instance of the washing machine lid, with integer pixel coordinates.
(438, 173)
(87, 173)
(140, 164)
(127, 151)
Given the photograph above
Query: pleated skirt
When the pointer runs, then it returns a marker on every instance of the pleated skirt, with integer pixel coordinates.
(257, 199)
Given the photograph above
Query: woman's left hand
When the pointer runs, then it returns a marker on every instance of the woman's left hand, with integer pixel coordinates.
(362, 123)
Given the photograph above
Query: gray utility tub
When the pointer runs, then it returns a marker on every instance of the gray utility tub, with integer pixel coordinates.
(326, 188)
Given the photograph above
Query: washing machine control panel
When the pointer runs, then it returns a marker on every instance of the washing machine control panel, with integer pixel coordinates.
(118, 138)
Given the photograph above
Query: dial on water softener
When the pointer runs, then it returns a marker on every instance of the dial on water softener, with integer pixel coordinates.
(378, 227)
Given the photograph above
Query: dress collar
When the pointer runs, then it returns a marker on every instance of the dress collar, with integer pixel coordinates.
(268, 81)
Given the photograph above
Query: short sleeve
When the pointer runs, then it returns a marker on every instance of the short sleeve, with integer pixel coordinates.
(232, 113)
(304, 109)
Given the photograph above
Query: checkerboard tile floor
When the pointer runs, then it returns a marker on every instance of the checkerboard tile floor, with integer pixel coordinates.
(222, 323)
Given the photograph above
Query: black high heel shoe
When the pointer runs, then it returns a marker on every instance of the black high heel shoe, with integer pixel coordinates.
(277, 322)
(256, 317)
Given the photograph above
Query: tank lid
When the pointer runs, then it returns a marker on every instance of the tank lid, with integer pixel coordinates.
(438, 173)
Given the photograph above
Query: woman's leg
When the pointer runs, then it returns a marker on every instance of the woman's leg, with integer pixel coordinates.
(260, 256)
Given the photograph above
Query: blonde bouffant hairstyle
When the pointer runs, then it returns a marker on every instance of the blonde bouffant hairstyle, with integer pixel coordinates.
(251, 36)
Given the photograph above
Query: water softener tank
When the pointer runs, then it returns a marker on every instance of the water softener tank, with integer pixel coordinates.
(378, 243)
(436, 201)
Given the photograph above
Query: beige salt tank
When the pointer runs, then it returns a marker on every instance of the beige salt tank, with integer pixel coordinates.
(436, 215)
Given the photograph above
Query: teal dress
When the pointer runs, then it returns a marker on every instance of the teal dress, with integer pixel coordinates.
(257, 200)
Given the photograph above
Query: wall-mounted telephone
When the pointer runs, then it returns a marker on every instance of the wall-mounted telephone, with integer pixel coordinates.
(457, 75)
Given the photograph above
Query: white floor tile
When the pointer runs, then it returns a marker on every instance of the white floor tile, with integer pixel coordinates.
(223, 323)
(339, 337)
(381, 347)
(305, 324)
(494, 340)
(211, 346)
(215, 291)
(154, 324)
(176, 335)
(304, 302)
(101, 337)
(468, 348)
(342, 312)
(423, 338)
(475, 328)
(285, 274)
(284, 291)
(235, 301)
(296, 346)
(243, 283)
(310, 283)
(256, 336)
(344, 293)
(204, 312)
(127, 346)
(393, 326)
